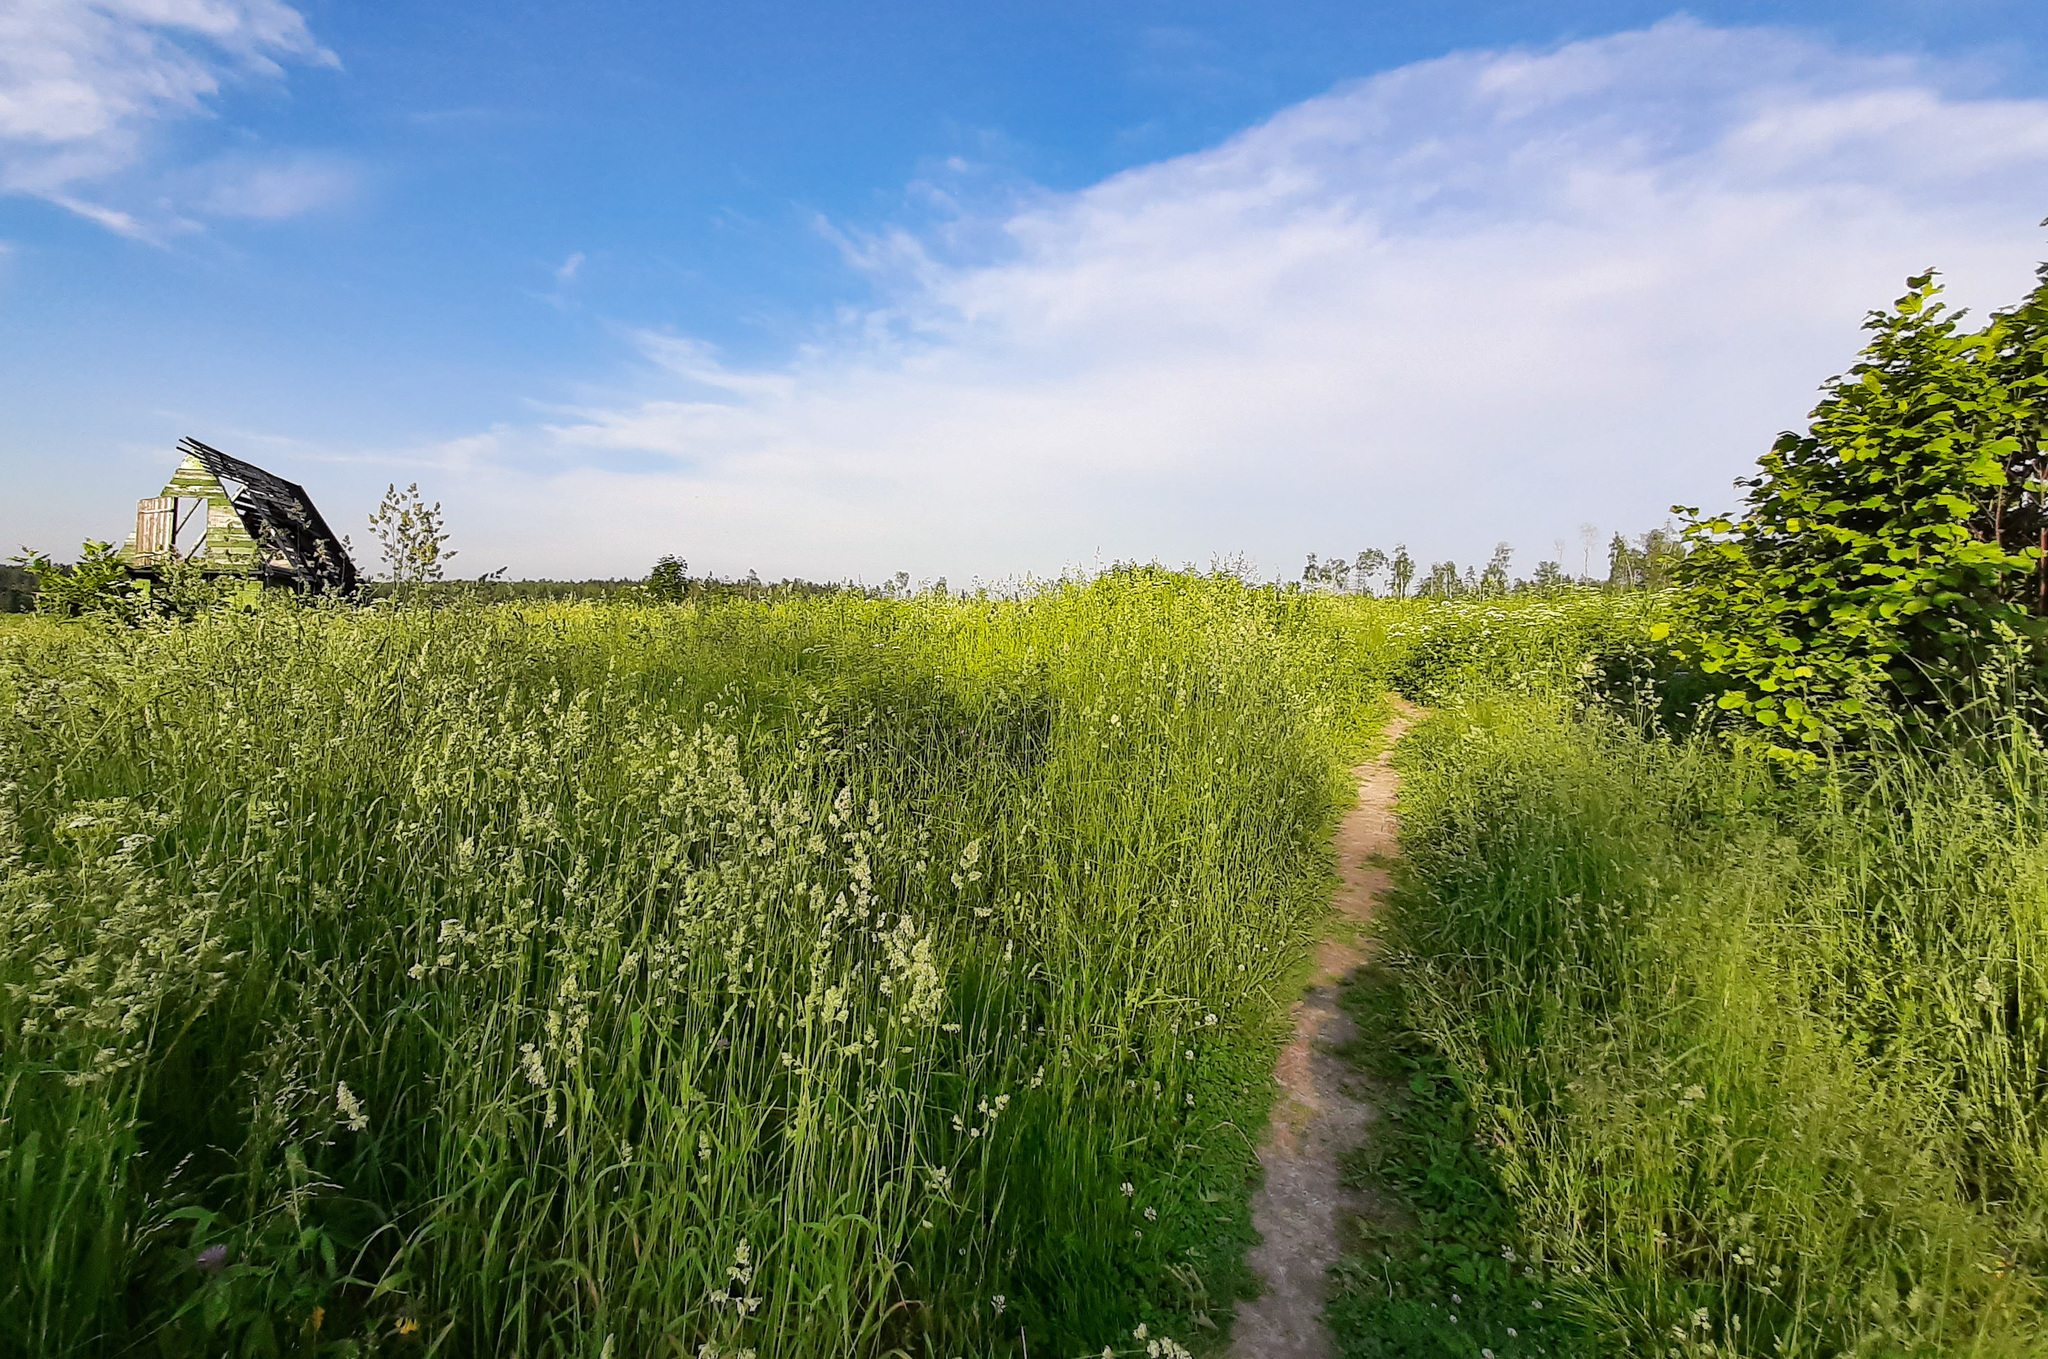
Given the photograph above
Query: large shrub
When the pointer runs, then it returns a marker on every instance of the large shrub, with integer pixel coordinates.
(1889, 553)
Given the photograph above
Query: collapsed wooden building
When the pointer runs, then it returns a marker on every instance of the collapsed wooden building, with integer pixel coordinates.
(229, 517)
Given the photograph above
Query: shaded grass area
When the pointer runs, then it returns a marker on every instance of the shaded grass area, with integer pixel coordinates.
(1437, 1271)
(1752, 1064)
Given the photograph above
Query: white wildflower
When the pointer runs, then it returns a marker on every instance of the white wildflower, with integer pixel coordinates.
(351, 1108)
(531, 1064)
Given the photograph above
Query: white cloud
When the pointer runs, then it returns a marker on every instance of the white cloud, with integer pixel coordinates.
(565, 274)
(1494, 295)
(83, 82)
(273, 189)
(112, 219)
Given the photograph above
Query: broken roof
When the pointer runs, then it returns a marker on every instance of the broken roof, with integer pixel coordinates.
(255, 521)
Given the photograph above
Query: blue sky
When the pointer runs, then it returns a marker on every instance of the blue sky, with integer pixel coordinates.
(979, 290)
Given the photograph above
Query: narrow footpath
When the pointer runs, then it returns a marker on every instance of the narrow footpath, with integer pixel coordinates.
(1320, 1113)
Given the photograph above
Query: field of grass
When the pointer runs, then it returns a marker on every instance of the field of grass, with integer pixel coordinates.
(1753, 1063)
(845, 976)
(831, 976)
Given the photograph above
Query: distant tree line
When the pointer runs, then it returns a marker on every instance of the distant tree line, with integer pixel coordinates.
(670, 582)
(1648, 561)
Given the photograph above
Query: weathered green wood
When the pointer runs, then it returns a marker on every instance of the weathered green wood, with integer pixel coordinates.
(227, 543)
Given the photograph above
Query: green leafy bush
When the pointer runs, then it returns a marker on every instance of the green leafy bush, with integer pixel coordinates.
(1897, 547)
(99, 586)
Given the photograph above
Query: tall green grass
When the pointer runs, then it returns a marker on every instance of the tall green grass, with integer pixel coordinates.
(822, 977)
(1762, 1059)
(845, 976)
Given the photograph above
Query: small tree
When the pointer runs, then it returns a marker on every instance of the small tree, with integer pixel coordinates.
(1494, 580)
(1442, 582)
(669, 581)
(1370, 566)
(1894, 547)
(1647, 563)
(1402, 570)
(410, 536)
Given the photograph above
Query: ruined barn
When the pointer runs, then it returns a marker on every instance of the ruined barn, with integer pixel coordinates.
(229, 517)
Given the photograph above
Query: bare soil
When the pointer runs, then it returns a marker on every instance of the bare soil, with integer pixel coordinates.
(1325, 1108)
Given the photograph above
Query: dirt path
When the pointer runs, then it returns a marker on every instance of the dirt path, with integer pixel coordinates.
(1320, 1113)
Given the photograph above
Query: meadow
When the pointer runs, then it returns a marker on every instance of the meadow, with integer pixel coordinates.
(1755, 1061)
(836, 976)
(819, 977)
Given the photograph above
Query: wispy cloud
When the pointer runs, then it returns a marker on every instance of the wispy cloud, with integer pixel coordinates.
(271, 189)
(1489, 296)
(84, 82)
(120, 223)
(565, 273)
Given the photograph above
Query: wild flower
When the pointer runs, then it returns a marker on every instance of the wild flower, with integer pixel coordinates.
(351, 1108)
